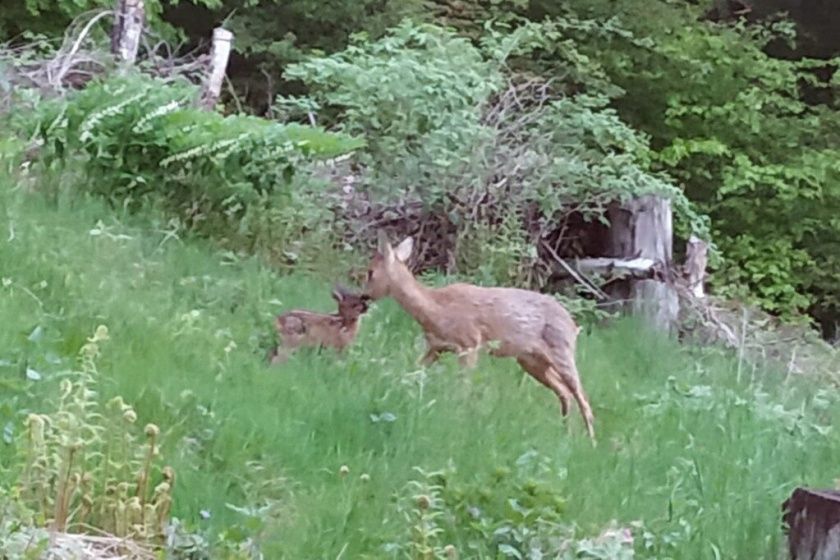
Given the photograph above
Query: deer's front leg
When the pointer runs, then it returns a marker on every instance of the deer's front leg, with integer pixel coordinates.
(432, 354)
(433, 350)
(468, 358)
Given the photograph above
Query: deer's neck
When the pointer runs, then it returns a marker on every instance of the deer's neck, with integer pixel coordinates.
(416, 299)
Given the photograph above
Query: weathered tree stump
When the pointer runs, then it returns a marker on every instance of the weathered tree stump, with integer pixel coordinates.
(638, 250)
(812, 520)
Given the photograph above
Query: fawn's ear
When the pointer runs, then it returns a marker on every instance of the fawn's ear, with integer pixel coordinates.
(403, 250)
(338, 294)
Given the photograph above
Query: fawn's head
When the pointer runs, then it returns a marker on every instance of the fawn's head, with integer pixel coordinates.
(350, 306)
(387, 267)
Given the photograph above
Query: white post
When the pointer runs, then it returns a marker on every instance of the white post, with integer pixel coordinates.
(219, 54)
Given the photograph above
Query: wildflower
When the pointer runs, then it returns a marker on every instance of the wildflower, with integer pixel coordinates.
(101, 334)
(344, 470)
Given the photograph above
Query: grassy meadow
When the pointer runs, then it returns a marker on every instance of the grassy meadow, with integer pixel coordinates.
(324, 456)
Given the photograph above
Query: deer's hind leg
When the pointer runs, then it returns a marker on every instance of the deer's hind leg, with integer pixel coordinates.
(561, 353)
(468, 358)
(565, 372)
(431, 356)
(540, 369)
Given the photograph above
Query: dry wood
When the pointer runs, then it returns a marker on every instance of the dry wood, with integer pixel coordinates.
(812, 519)
(696, 258)
(639, 245)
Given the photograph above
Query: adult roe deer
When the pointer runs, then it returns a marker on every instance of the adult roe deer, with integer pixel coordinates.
(533, 328)
(300, 327)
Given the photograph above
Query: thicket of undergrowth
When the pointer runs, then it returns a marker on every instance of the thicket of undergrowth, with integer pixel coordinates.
(484, 161)
(749, 139)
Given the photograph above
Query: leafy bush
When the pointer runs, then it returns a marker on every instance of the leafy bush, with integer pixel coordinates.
(138, 139)
(450, 124)
(523, 516)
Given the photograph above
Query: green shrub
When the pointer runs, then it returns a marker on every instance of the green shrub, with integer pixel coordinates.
(137, 139)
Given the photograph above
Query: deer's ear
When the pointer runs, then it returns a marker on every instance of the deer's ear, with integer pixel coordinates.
(384, 247)
(403, 250)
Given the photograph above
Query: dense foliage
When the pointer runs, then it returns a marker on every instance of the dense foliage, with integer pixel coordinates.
(484, 146)
(732, 124)
(751, 139)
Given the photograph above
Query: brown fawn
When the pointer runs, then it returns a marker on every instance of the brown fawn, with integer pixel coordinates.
(300, 327)
(532, 327)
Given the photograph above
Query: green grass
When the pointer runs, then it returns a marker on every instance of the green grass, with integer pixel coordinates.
(701, 458)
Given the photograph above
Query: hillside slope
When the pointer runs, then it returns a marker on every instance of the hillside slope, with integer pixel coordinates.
(701, 459)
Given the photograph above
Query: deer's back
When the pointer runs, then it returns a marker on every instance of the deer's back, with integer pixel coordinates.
(307, 328)
(513, 316)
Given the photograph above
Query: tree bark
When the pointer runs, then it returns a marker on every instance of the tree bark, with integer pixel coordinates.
(812, 519)
(642, 230)
(128, 26)
(696, 258)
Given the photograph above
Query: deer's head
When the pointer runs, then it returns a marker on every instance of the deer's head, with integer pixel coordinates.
(350, 305)
(387, 267)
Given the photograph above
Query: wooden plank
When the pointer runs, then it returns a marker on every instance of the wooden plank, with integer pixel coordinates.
(616, 267)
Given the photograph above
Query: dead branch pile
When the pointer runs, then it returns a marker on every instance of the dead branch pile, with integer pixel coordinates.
(83, 54)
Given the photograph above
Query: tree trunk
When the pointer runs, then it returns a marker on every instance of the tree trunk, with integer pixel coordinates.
(128, 26)
(642, 229)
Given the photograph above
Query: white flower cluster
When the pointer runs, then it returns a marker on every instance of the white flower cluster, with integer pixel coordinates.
(143, 125)
(92, 120)
(203, 150)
